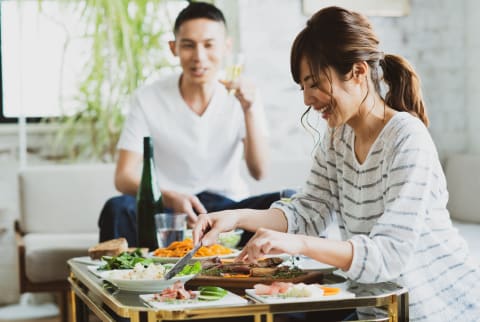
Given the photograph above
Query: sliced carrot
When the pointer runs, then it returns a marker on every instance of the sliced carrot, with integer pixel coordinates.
(330, 290)
(228, 275)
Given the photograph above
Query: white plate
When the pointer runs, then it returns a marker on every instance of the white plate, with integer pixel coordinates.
(95, 271)
(307, 264)
(228, 300)
(344, 294)
(87, 260)
(149, 285)
(159, 259)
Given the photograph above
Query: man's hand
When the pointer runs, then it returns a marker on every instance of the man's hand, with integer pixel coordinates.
(244, 91)
(183, 203)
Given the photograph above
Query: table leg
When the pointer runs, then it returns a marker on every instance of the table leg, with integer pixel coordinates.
(72, 306)
(403, 313)
(81, 310)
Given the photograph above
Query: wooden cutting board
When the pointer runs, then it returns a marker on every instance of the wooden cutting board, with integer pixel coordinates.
(238, 285)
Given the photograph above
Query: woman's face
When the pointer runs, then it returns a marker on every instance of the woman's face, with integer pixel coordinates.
(335, 98)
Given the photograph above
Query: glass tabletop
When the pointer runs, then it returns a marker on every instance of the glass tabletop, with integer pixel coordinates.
(365, 295)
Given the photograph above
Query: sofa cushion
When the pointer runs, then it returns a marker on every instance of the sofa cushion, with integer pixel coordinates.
(46, 255)
(61, 198)
(463, 180)
(471, 233)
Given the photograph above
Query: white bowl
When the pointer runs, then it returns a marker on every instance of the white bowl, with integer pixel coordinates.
(155, 285)
(230, 239)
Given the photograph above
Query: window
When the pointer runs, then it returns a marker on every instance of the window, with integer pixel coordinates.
(42, 55)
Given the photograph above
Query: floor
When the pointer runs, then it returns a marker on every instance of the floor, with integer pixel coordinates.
(54, 319)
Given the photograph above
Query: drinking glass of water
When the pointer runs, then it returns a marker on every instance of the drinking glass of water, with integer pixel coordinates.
(170, 228)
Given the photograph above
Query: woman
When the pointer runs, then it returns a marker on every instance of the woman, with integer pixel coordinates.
(376, 170)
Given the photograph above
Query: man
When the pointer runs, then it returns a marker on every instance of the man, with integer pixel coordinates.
(200, 132)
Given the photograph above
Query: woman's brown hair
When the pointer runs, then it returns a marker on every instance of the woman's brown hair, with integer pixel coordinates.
(338, 38)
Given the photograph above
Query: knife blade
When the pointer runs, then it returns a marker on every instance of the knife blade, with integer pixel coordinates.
(182, 262)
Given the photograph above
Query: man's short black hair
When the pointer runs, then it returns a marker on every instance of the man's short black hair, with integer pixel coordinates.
(196, 10)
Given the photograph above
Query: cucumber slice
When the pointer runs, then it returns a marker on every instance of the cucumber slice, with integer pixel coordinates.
(209, 297)
(209, 293)
(211, 289)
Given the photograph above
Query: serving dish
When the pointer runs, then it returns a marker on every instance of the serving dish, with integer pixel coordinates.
(228, 300)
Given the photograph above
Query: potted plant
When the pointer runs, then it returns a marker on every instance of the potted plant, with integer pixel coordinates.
(127, 48)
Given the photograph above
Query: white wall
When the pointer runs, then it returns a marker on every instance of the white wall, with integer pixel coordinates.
(438, 37)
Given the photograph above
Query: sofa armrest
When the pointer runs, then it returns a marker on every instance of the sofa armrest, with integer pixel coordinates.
(463, 182)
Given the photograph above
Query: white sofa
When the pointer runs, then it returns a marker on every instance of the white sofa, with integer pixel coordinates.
(463, 183)
(59, 208)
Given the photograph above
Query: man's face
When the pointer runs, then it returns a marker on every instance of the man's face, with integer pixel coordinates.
(200, 44)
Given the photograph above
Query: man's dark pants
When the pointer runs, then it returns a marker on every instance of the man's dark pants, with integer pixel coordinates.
(118, 216)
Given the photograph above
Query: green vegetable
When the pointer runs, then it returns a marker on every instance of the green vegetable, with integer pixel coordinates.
(230, 239)
(124, 261)
(208, 298)
(191, 269)
(211, 293)
(212, 289)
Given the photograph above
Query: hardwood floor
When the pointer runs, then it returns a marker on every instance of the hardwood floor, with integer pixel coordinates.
(53, 319)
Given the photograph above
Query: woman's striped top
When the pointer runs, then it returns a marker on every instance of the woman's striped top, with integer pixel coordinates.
(392, 208)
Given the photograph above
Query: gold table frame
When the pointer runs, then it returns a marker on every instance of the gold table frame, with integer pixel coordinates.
(88, 295)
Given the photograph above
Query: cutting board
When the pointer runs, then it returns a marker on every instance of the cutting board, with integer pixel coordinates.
(238, 285)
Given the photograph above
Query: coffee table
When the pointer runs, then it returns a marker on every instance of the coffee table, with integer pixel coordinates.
(89, 296)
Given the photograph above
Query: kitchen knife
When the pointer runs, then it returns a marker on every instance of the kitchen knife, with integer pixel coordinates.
(182, 262)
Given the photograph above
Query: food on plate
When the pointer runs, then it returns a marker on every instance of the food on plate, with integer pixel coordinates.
(230, 239)
(211, 293)
(125, 260)
(190, 269)
(180, 248)
(111, 247)
(176, 292)
(140, 272)
(266, 268)
(295, 290)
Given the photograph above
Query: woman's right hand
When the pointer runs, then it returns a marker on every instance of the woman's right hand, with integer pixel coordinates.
(208, 226)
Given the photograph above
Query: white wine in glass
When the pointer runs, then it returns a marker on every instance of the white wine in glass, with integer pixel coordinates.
(234, 68)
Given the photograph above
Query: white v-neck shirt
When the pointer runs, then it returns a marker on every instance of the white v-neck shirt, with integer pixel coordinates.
(192, 153)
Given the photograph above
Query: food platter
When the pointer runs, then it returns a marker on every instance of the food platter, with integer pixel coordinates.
(159, 259)
(229, 300)
(238, 285)
(274, 299)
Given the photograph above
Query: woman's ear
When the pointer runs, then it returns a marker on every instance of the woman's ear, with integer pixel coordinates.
(360, 71)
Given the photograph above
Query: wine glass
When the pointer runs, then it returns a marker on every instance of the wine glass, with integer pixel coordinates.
(233, 68)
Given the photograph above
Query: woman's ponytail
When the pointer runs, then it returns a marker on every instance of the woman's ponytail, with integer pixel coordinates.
(404, 93)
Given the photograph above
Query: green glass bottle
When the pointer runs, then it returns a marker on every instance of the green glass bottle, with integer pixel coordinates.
(149, 200)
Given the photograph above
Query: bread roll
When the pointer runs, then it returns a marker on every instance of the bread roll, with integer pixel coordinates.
(111, 247)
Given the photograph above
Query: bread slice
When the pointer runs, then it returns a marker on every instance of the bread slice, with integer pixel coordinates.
(111, 247)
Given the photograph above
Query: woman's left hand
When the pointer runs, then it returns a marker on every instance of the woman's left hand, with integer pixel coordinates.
(266, 241)
(244, 91)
